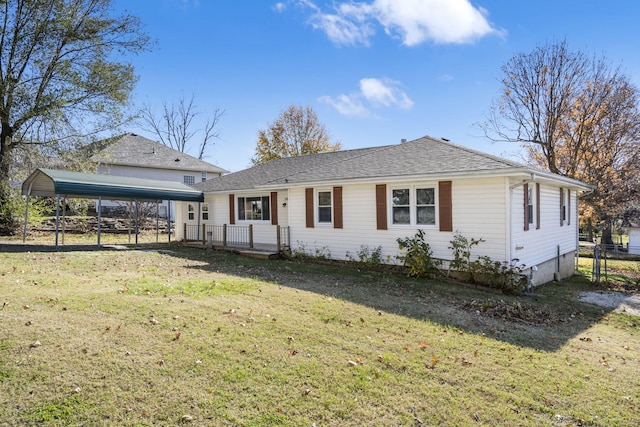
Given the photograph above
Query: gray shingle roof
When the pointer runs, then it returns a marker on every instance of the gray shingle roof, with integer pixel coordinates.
(421, 157)
(135, 150)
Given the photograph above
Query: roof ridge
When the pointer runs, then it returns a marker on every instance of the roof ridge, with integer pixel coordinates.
(365, 151)
(472, 151)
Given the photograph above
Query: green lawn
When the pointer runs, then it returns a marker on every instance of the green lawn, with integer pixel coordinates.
(186, 336)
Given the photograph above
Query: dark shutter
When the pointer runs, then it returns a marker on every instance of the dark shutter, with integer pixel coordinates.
(561, 206)
(568, 207)
(537, 206)
(308, 196)
(232, 210)
(381, 206)
(337, 207)
(445, 208)
(525, 189)
(274, 208)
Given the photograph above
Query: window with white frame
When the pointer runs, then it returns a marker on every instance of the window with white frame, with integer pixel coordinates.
(425, 206)
(413, 206)
(189, 179)
(204, 176)
(530, 205)
(254, 208)
(205, 211)
(324, 207)
(191, 212)
(401, 206)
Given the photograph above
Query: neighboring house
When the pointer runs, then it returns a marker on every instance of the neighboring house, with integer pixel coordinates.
(634, 238)
(135, 156)
(337, 203)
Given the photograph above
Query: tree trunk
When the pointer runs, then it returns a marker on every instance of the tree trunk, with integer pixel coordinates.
(7, 224)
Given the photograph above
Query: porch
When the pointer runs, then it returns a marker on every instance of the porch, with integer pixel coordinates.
(237, 237)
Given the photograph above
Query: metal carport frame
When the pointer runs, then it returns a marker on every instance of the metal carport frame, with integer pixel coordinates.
(56, 183)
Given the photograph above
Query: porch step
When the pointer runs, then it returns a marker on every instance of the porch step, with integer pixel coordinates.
(258, 254)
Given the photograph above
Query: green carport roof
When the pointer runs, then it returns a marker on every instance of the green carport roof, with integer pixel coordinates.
(50, 182)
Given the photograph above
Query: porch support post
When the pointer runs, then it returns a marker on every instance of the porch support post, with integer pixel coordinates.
(278, 238)
(57, 217)
(137, 221)
(99, 219)
(251, 236)
(224, 235)
(198, 228)
(204, 233)
(169, 220)
(157, 219)
(64, 217)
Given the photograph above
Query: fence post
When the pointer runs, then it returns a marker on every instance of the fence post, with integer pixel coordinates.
(224, 235)
(278, 238)
(186, 238)
(204, 231)
(251, 236)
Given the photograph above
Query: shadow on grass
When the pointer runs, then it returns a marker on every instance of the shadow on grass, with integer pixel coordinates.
(545, 320)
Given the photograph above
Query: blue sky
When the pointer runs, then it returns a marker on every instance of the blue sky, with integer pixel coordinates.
(375, 71)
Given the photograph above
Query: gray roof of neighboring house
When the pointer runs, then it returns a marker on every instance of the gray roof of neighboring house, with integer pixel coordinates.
(135, 150)
(421, 157)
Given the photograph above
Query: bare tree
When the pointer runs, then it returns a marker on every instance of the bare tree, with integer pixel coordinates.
(576, 116)
(296, 132)
(175, 128)
(59, 76)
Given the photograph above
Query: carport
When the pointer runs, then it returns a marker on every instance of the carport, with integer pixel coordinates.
(76, 185)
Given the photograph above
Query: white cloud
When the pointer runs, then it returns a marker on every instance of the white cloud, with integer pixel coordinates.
(347, 105)
(384, 92)
(412, 21)
(373, 93)
(279, 7)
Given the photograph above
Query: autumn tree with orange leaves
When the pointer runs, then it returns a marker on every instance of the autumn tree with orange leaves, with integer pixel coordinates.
(296, 132)
(576, 116)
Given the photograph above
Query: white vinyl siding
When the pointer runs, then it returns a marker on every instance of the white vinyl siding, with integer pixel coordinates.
(479, 210)
(538, 245)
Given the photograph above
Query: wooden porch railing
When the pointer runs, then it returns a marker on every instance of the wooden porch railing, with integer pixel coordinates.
(234, 235)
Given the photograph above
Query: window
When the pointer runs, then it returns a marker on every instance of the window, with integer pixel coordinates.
(413, 206)
(401, 210)
(425, 206)
(254, 208)
(189, 179)
(205, 211)
(324, 207)
(191, 212)
(204, 176)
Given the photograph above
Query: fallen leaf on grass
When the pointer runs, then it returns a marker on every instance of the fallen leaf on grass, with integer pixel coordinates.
(177, 336)
(423, 344)
(586, 339)
(35, 344)
(434, 362)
